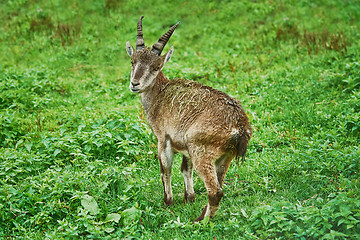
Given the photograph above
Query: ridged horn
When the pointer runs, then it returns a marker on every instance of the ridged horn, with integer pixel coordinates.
(140, 39)
(160, 44)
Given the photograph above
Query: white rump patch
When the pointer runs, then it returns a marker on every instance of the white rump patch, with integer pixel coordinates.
(234, 131)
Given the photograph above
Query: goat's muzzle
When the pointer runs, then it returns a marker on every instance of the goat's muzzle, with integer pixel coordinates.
(134, 87)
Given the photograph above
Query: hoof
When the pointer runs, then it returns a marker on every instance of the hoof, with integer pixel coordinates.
(169, 202)
(201, 217)
(189, 198)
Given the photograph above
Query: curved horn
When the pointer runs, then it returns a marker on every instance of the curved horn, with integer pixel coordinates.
(140, 39)
(160, 44)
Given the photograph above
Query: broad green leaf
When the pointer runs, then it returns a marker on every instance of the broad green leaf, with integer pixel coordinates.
(56, 152)
(244, 213)
(349, 226)
(19, 143)
(113, 217)
(109, 229)
(28, 146)
(89, 203)
(205, 220)
(130, 215)
(45, 142)
(265, 220)
(341, 221)
(81, 126)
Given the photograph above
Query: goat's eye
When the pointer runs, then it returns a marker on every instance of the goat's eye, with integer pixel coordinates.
(156, 68)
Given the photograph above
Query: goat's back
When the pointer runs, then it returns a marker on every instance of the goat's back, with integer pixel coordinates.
(190, 111)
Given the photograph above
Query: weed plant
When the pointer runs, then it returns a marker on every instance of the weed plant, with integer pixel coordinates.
(77, 160)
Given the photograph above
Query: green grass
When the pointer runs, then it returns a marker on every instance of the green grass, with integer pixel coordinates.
(77, 160)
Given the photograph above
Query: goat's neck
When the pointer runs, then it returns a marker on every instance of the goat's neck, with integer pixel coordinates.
(148, 97)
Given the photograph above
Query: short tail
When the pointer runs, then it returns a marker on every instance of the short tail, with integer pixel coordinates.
(242, 145)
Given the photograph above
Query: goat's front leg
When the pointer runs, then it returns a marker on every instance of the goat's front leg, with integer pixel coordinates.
(166, 156)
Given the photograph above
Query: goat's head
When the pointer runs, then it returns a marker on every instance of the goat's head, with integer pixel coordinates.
(147, 63)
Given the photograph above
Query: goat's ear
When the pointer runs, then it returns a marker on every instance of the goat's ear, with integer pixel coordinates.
(169, 54)
(129, 49)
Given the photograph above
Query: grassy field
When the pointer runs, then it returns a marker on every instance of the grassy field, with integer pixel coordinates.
(78, 161)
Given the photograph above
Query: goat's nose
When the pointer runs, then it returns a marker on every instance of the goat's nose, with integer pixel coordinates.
(135, 84)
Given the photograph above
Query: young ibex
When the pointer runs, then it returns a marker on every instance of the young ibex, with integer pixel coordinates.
(206, 125)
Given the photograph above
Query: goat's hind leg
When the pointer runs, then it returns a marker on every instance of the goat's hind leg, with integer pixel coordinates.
(207, 173)
(187, 171)
(166, 156)
(222, 166)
